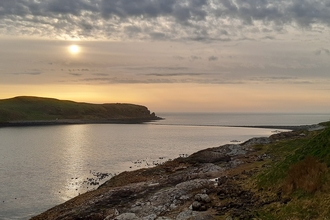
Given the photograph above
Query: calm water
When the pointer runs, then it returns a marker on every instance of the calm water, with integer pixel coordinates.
(44, 166)
(243, 119)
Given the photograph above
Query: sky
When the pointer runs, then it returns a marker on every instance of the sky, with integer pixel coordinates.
(170, 55)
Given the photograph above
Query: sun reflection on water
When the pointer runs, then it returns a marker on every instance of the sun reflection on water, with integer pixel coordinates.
(76, 139)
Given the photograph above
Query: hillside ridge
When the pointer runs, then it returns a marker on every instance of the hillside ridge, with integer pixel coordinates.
(31, 110)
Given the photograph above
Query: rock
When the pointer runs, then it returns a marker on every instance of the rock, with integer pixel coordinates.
(234, 163)
(186, 215)
(150, 217)
(109, 217)
(173, 206)
(184, 197)
(191, 215)
(126, 216)
(235, 150)
(204, 198)
(254, 141)
(211, 155)
(196, 206)
(200, 203)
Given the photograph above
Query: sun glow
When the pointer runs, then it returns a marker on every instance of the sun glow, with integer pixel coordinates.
(74, 49)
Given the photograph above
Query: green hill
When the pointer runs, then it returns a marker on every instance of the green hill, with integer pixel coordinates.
(30, 109)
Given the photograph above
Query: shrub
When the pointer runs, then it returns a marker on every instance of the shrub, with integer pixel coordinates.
(305, 175)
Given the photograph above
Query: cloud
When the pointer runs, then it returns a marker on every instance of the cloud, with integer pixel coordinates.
(100, 74)
(193, 58)
(158, 68)
(174, 74)
(160, 80)
(178, 58)
(323, 50)
(213, 58)
(199, 20)
(75, 74)
(280, 80)
(26, 73)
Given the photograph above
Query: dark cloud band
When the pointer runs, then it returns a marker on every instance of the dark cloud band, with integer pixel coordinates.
(199, 20)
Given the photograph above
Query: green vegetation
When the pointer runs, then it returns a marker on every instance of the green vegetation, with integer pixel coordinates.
(290, 152)
(300, 175)
(34, 108)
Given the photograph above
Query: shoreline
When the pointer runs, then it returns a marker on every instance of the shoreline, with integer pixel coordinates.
(284, 127)
(184, 188)
(145, 120)
(78, 121)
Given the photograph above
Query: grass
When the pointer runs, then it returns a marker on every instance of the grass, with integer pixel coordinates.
(306, 175)
(314, 144)
(26, 108)
(301, 174)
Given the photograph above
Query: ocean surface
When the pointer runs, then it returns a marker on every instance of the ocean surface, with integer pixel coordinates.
(41, 167)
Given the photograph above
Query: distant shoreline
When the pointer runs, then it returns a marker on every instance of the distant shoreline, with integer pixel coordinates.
(77, 121)
(141, 121)
(284, 127)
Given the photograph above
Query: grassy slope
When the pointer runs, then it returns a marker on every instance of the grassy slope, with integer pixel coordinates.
(34, 108)
(292, 169)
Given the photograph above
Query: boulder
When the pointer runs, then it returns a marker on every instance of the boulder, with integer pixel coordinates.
(204, 198)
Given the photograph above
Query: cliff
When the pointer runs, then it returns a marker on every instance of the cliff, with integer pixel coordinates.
(284, 176)
(25, 110)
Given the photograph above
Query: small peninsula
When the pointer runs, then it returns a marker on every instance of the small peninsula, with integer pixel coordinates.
(28, 110)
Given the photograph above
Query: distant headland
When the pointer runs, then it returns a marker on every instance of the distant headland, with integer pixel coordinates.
(29, 110)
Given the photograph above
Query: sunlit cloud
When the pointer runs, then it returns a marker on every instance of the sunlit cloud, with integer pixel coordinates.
(212, 49)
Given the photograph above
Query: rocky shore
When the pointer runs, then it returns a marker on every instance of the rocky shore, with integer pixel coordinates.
(211, 184)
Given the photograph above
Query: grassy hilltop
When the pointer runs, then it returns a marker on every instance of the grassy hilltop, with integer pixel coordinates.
(25, 108)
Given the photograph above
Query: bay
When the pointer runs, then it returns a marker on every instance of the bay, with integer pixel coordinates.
(43, 166)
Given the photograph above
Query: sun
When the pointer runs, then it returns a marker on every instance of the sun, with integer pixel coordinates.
(74, 49)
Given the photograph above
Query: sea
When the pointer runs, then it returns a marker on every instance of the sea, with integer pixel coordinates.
(43, 166)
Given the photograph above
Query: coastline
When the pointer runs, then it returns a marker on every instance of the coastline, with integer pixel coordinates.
(208, 183)
(284, 127)
(78, 121)
(144, 120)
